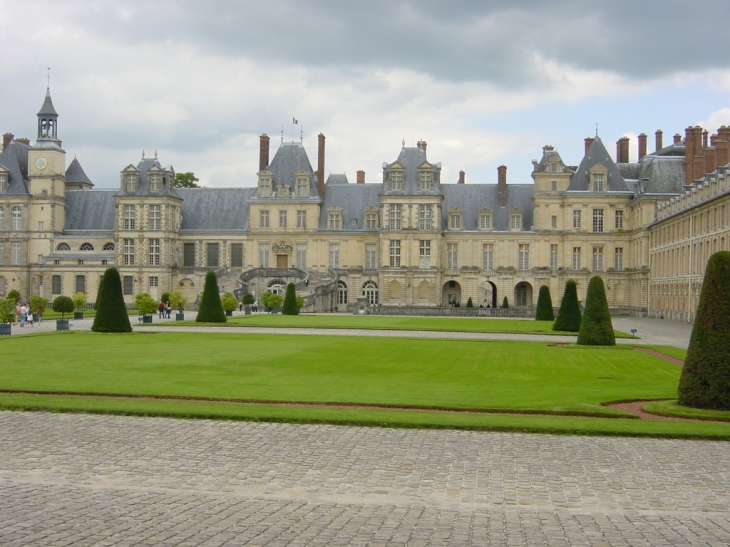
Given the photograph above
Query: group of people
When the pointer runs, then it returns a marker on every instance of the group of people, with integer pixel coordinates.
(164, 310)
(24, 314)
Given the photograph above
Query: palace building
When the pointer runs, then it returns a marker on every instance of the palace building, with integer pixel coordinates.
(409, 240)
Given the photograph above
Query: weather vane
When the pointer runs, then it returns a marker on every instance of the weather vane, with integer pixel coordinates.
(48, 78)
(596, 129)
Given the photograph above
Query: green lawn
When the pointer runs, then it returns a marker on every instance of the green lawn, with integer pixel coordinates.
(389, 322)
(50, 314)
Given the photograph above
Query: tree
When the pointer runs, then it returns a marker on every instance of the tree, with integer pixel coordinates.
(505, 303)
(7, 310)
(469, 303)
(290, 301)
(211, 309)
(177, 300)
(596, 328)
(185, 180)
(248, 299)
(111, 311)
(79, 299)
(271, 300)
(63, 305)
(37, 302)
(14, 295)
(229, 301)
(165, 297)
(705, 379)
(145, 304)
(544, 311)
(568, 319)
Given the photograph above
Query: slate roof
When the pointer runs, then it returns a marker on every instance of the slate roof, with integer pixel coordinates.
(290, 158)
(336, 178)
(75, 173)
(47, 108)
(597, 154)
(352, 198)
(90, 210)
(549, 153)
(473, 197)
(411, 159)
(215, 209)
(143, 166)
(15, 159)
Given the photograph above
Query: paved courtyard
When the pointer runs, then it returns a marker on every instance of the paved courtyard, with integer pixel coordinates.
(73, 479)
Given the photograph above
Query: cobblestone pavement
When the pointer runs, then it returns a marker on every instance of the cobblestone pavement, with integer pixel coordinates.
(69, 480)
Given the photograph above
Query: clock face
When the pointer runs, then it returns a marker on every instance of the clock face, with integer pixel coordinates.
(41, 163)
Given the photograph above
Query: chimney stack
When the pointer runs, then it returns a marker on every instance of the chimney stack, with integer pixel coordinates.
(320, 165)
(642, 145)
(689, 153)
(361, 177)
(422, 144)
(263, 152)
(622, 150)
(722, 146)
(462, 176)
(24, 141)
(704, 139)
(502, 185)
(658, 136)
(677, 138)
(7, 139)
(588, 142)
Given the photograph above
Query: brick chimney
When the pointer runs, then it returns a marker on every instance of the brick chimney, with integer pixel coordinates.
(658, 139)
(361, 177)
(689, 153)
(642, 145)
(677, 138)
(710, 163)
(502, 185)
(24, 141)
(320, 165)
(705, 133)
(588, 142)
(622, 150)
(7, 139)
(422, 144)
(462, 176)
(263, 152)
(722, 146)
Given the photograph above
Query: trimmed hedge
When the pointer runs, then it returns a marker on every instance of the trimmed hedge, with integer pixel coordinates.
(596, 328)
(469, 303)
(505, 302)
(544, 310)
(290, 301)
(211, 309)
(111, 312)
(568, 319)
(705, 379)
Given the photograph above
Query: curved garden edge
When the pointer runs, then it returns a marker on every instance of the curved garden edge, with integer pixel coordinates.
(657, 413)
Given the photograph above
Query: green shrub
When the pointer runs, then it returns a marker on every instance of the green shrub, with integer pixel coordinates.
(165, 298)
(705, 379)
(111, 311)
(229, 301)
(505, 303)
(79, 299)
(469, 303)
(596, 328)
(271, 300)
(63, 305)
(248, 299)
(14, 295)
(7, 310)
(300, 302)
(211, 309)
(177, 300)
(145, 304)
(568, 319)
(544, 311)
(38, 302)
(290, 301)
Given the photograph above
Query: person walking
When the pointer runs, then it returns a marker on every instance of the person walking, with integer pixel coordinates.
(39, 314)
(23, 314)
(160, 309)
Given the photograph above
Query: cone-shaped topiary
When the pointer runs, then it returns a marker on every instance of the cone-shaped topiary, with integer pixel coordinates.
(290, 301)
(544, 310)
(469, 303)
(568, 319)
(705, 379)
(211, 309)
(111, 312)
(505, 303)
(596, 328)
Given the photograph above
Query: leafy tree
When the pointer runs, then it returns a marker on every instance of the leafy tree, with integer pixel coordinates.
(505, 303)
(185, 180)
(111, 311)
(544, 311)
(63, 305)
(705, 379)
(14, 295)
(38, 302)
(177, 300)
(290, 301)
(248, 299)
(596, 328)
(165, 297)
(211, 309)
(300, 302)
(79, 299)
(145, 304)
(229, 301)
(568, 319)
(7, 310)
(469, 303)
(271, 300)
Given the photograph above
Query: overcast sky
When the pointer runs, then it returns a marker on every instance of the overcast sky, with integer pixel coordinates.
(484, 83)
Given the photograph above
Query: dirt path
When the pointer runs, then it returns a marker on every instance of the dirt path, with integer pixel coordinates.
(667, 358)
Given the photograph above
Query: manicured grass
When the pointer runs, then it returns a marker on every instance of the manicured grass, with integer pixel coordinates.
(672, 351)
(385, 322)
(671, 408)
(49, 314)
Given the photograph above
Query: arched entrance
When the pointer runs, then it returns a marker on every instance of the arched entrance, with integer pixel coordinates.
(523, 295)
(451, 293)
(488, 294)
(370, 291)
(277, 286)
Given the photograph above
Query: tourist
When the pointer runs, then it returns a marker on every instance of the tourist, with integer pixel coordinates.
(23, 314)
(39, 314)
(168, 309)
(160, 310)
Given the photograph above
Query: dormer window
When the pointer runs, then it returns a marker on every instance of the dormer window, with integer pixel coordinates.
(130, 181)
(515, 220)
(3, 183)
(425, 180)
(155, 182)
(485, 219)
(395, 180)
(598, 182)
(334, 218)
(455, 219)
(302, 188)
(265, 189)
(553, 167)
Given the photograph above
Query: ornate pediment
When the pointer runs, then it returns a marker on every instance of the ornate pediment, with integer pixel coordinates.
(282, 246)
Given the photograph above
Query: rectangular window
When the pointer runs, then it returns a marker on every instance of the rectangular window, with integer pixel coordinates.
(515, 222)
(155, 217)
(263, 219)
(264, 255)
(424, 253)
(236, 255)
(598, 182)
(56, 284)
(395, 178)
(128, 285)
(455, 222)
(395, 253)
(554, 186)
(598, 220)
(154, 281)
(554, 222)
(334, 255)
(576, 219)
(335, 221)
(618, 258)
(2, 253)
(425, 180)
(488, 256)
(485, 222)
(211, 255)
(282, 219)
(452, 256)
(104, 262)
(301, 256)
(524, 257)
(619, 219)
(371, 221)
(15, 254)
(154, 258)
(81, 283)
(128, 252)
(576, 258)
(598, 259)
(301, 219)
(80, 262)
(424, 217)
(370, 260)
(40, 225)
(553, 257)
(189, 255)
(130, 217)
(395, 216)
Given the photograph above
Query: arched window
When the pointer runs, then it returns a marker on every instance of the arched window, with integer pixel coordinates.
(63, 247)
(17, 218)
(370, 291)
(109, 246)
(341, 292)
(277, 286)
(86, 247)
